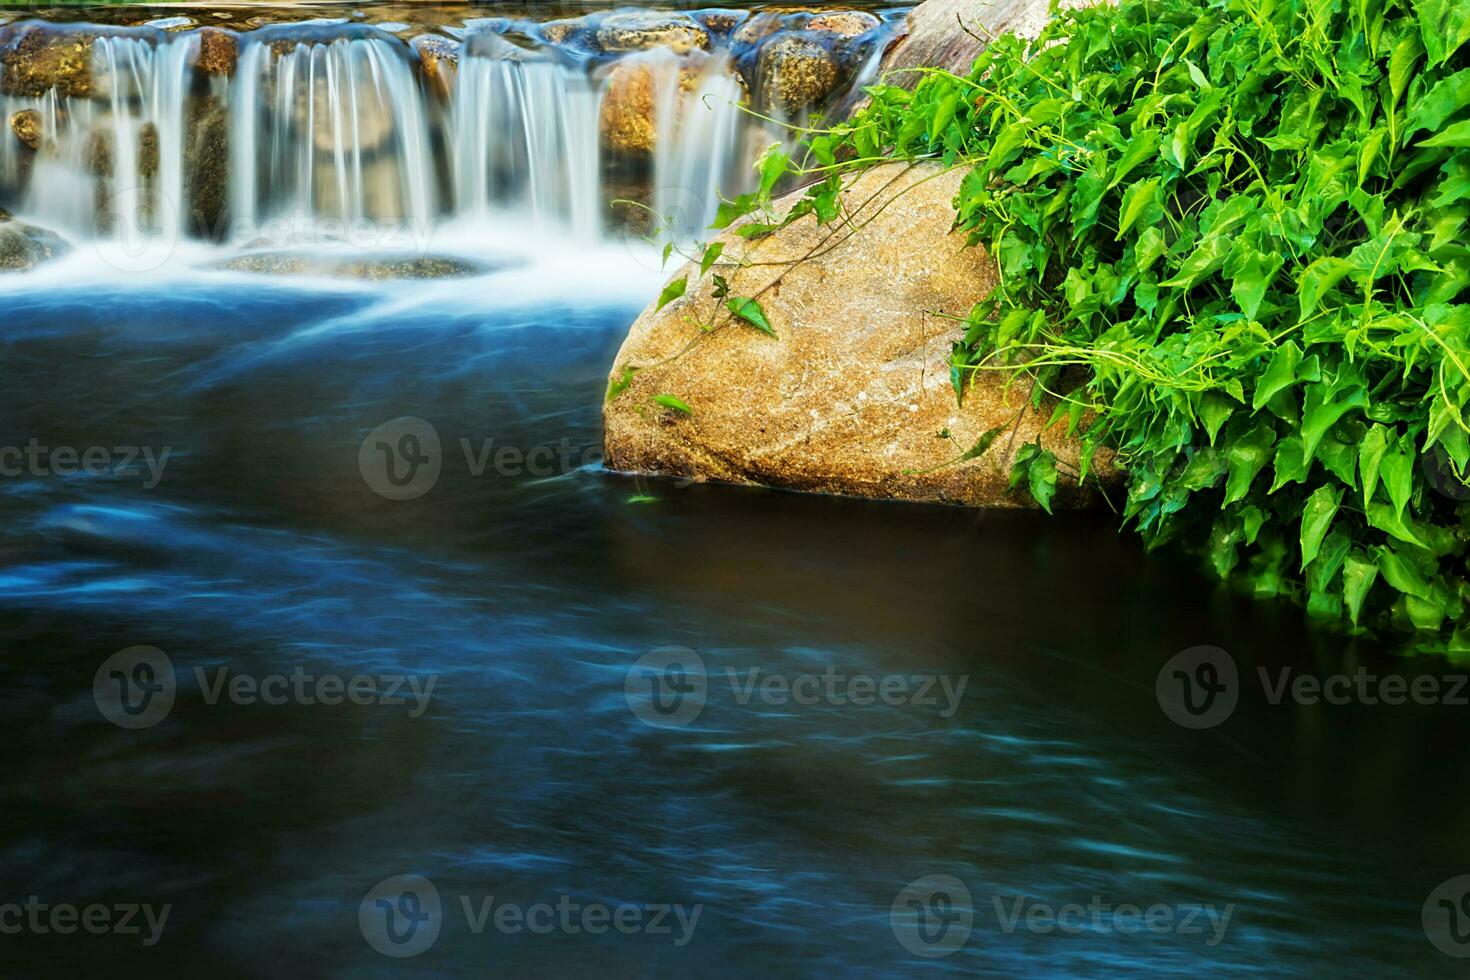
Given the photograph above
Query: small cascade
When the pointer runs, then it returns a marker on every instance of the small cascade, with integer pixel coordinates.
(334, 129)
(326, 132)
(525, 140)
(111, 165)
(705, 143)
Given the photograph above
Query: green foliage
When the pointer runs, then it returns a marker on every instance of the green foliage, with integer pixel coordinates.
(1249, 220)
(673, 403)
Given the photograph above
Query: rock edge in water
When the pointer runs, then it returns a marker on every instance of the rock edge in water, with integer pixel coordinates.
(851, 395)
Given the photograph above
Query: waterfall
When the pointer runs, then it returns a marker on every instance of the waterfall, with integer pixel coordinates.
(525, 139)
(112, 165)
(330, 132)
(702, 150)
(327, 130)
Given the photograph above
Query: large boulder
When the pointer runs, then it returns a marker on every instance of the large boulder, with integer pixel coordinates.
(796, 72)
(852, 395)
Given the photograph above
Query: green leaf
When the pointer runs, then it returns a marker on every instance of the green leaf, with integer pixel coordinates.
(1245, 457)
(671, 292)
(617, 385)
(1446, 98)
(1323, 274)
(1397, 470)
(983, 443)
(669, 401)
(1136, 201)
(750, 311)
(711, 255)
(1041, 476)
(1317, 515)
(1358, 575)
(1370, 458)
(1280, 373)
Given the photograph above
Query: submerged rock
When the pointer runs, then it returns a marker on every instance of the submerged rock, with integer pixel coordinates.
(796, 73)
(852, 393)
(207, 167)
(218, 51)
(846, 23)
(641, 30)
(26, 125)
(351, 266)
(23, 246)
(439, 57)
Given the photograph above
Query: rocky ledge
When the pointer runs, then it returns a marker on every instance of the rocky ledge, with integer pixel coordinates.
(852, 395)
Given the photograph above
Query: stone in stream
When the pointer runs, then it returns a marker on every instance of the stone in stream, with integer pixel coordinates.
(796, 72)
(641, 30)
(850, 395)
(23, 246)
(207, 167)
(438, 59)
(630, 103)
(846, 23)
(26, 125)
(218, 51)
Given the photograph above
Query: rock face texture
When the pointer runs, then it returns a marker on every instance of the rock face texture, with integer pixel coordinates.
(852, 393)
(951, 34)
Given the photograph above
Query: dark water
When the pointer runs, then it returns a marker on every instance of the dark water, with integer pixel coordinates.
(793, 828)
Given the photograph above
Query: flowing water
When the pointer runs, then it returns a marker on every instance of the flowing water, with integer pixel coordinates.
(212, 464)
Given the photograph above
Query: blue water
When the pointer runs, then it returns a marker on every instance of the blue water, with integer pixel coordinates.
(527, 597)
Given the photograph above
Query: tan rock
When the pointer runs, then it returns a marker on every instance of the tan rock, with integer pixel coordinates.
(439, 57)
(850, 394)
(795, 73)
(218, 51)
(641, 30)
(846, 23)
(26, 125)
(627, 123)
(562, 31)
(950, 34)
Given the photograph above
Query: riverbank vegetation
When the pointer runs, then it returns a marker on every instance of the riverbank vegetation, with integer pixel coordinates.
(1232, 237)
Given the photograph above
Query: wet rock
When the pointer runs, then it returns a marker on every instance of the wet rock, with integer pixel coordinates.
(23, 246)
(26, 125)
(641, 30)
(37, 57)
(757, 28)
(170, 23)
(439, 57)
(218, 51)
(850, 395)
(351, 267)
(845, 23)
(148, 150)
(628, 122)
(795, 73)
(206, 168)
(721, 21)
(567, 32)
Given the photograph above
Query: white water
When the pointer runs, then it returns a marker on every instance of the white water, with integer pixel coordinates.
(333, 130)
(525, 139)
